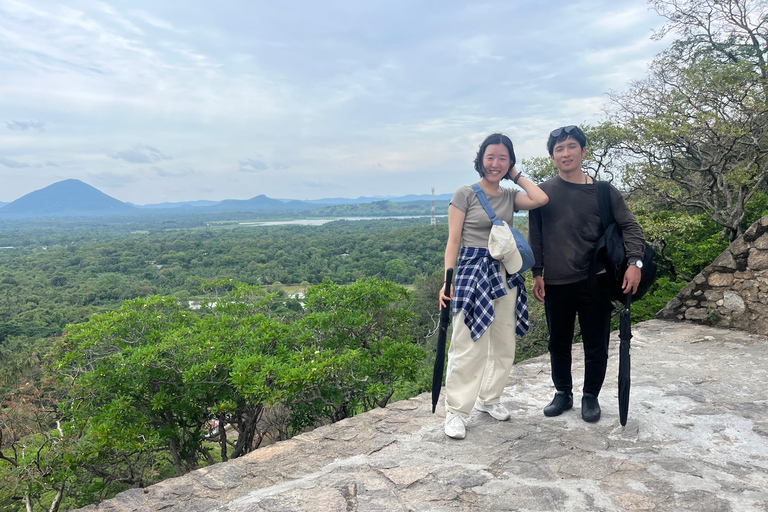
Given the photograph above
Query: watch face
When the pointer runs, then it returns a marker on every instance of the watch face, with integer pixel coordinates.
(639, 263)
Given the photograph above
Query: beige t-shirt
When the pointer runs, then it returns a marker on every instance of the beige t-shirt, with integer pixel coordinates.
(477, 225)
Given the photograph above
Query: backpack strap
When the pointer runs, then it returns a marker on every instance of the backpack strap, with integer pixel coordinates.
(486, 206)
(604, 203)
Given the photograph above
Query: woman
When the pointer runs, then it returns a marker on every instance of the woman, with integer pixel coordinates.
(481, 357)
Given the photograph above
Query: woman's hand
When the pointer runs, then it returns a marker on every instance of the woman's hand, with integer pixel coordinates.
(533, 197)
(442, 298)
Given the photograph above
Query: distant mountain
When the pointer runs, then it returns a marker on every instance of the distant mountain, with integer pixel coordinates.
(373, 199)
(68, 198)
(421, 197)
(191, 204)
(381, 209)
(262, 203)
(73, 198)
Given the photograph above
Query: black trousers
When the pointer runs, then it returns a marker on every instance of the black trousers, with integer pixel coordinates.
(562, 303)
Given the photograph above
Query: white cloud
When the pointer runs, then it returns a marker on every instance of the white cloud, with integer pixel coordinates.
(13, 164)
(25, 125)
(251, 165)
(338, 96)
(140, 154)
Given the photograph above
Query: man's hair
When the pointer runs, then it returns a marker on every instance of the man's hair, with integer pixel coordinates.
(495, 138)
(559, 135)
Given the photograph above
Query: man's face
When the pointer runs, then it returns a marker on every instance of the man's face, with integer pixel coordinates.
(568, 155)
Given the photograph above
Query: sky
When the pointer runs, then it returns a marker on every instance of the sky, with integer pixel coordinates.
(173, 101)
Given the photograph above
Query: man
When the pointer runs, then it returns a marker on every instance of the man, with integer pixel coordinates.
(563, 234)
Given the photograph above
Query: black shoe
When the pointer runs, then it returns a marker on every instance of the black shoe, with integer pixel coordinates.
(590, 409)
(561, 402)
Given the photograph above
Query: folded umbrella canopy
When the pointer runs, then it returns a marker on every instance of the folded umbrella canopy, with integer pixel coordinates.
(445, 320)
(625, 334)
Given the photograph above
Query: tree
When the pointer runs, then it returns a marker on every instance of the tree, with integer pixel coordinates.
(698, 123)
(37, 467)
(539, 168)
(148, 379)
(358, 347)
(603, 159)
(124, 373)
(145, 382)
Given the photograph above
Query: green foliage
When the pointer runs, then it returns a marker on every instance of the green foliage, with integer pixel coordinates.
(535, 341)
(663, 290)
(379, 208)
(360, 347)
(126, 370)
(698, 124)
(685, 243)
(144, 382)
(49, 280)
(755, 209)
(538, 168)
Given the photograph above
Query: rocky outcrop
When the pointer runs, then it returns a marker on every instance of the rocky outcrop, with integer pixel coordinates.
(733, 290)
(696, 440)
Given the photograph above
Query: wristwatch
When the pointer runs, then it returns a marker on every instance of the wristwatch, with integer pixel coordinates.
(638, 263)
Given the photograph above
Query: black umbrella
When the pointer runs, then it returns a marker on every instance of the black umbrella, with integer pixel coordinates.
(625, 334)
(445, 319)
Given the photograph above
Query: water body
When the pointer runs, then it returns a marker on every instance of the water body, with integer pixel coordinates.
(320, 222)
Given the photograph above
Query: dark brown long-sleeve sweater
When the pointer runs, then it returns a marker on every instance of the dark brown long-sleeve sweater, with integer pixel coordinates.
(563, 233)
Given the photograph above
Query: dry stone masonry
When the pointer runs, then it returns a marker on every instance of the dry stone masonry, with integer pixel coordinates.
(733, 290)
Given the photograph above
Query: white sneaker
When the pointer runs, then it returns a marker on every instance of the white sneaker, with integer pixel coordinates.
(497, 411)
(455, 426)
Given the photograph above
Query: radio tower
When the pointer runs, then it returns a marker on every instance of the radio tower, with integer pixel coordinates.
(432, 222)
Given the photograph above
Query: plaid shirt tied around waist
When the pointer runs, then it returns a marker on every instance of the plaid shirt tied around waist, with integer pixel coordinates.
(478, 282)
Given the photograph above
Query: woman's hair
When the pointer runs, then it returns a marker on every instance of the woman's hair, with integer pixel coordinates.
(494, 138)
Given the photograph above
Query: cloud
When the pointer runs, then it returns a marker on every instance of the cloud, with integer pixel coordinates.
(251, 165)
(13, 164)
(322, 184)
(147, 18)
(327, 89)
(114, 180)
(140, 154)
(25, 125)
(187, 172)
(480, 48)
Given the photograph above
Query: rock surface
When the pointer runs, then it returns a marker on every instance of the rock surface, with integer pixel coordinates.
(696, 440)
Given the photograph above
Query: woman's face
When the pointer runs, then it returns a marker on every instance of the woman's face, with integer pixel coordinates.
(496, 162)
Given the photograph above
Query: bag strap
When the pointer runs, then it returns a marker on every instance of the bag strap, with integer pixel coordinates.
(486, 206)
(604, 203)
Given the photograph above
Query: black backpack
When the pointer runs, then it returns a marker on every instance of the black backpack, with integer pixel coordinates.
(609, 254)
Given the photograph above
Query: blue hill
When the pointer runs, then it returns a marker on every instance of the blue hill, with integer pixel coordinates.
(73, 198)
(68, 198)
(262, 203)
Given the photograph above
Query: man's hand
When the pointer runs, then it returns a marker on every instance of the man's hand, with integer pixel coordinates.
(631, 279)
(538, 288)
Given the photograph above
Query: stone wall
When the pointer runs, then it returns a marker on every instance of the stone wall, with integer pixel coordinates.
(733, 290)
